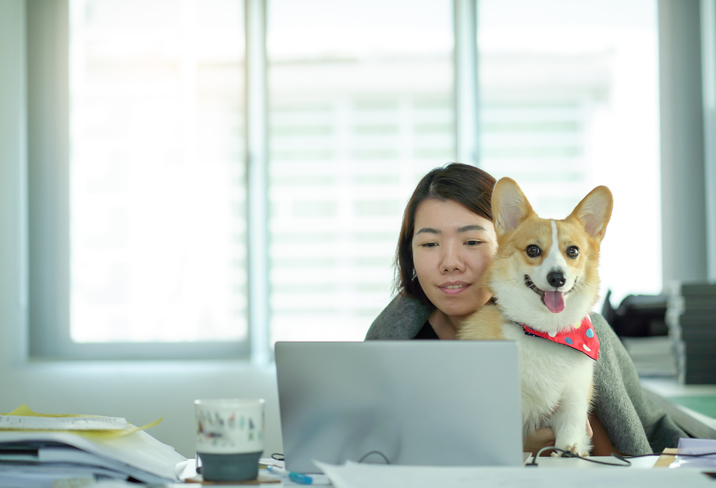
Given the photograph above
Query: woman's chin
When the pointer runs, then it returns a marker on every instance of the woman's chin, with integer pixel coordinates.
(455, 311)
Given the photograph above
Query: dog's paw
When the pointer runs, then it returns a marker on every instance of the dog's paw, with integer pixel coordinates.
(575, 450)
(575, 445)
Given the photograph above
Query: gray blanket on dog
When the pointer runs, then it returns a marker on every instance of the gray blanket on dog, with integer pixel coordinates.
(634, 424)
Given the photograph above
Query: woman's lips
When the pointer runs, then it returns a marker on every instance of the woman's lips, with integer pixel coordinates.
(454, 288)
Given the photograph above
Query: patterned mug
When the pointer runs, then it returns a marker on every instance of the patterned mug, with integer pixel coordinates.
(229, 438)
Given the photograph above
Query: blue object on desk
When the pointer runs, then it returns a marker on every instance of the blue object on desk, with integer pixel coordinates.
(303, 479)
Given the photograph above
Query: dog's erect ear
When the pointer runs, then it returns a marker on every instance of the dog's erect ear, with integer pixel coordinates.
(509, 206)
(594, 212)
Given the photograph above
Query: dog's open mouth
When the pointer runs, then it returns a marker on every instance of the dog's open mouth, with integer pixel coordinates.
(553, 300)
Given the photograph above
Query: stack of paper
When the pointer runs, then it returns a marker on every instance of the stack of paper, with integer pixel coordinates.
(37, 450)
(691, 318)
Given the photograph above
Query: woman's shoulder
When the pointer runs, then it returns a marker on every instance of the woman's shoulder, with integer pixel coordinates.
(601, 326)
(609, 342)
(614, 360)
(401, 319)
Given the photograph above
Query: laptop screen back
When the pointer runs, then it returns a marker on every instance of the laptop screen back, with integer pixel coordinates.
(437, 403)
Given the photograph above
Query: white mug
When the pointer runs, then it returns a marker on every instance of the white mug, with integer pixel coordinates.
(229, 437)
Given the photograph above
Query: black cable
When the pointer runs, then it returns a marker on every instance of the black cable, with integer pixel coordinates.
(385, 458)
(620, 457)
(572, 455)
(623, 458)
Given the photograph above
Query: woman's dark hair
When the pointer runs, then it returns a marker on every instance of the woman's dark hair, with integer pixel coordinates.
(467, 185)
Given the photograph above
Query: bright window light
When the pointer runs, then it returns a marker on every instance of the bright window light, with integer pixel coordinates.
(569, 101)
(361, 106)
(157, 203)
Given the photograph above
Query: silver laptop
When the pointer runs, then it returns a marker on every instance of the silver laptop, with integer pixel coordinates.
(436, 403)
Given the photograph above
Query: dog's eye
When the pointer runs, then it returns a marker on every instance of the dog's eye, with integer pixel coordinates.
(533, 251)
(573, 252)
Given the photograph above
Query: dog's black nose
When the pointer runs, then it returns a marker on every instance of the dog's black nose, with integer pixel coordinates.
(556, 278)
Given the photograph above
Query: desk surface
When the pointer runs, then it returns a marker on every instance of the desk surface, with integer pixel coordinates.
(519, 476)
(552, 463)
(552, 472)
(693, 407)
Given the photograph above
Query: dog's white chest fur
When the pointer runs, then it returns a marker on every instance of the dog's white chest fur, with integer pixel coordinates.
(551, 375)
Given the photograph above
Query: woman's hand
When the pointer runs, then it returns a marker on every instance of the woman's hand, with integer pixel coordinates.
(539, 439)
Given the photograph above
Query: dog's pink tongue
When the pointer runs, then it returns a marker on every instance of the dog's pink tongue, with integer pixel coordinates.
(554, 301)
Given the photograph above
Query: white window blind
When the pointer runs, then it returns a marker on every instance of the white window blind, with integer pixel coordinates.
(569, 101)
(157, 184)
(139, 202)
(361, 106)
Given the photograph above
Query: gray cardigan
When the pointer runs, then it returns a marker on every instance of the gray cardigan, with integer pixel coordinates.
(634, 424)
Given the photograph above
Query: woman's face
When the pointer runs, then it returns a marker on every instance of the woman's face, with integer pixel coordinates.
(451, 250)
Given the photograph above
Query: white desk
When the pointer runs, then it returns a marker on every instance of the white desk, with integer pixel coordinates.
(562, 472)
(552, 472)
(666, 392)
(552, 464)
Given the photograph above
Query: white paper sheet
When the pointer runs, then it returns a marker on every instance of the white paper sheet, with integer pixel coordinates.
(353, 475)
(696, 446)
(20, 422)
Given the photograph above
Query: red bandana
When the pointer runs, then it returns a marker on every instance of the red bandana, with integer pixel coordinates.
(580, 337)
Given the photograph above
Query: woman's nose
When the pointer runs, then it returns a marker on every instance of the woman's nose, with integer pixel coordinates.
(452, 261)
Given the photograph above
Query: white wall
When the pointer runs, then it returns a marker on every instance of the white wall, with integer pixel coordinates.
(140, 391)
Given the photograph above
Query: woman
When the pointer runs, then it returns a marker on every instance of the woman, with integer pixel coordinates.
(446, 241)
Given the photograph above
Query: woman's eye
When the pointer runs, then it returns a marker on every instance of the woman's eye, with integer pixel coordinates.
(573, 252)
(473, 242)
(533, 251)
(429, 244)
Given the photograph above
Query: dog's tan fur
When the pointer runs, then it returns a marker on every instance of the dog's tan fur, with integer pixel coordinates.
(557, 383)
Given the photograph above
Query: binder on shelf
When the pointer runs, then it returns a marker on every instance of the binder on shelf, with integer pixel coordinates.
(691, 319)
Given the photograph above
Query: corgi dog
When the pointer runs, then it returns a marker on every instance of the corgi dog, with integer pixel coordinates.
(544, 282)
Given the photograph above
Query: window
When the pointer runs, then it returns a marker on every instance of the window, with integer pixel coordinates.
(569, 101)
(152, 186)
(360, 107)
(146, 199)
(157, 186)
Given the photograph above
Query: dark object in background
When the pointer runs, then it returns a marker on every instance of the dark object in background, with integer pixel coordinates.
(637, 315)
(691, 317)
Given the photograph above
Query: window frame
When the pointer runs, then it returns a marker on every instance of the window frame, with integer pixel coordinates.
(45, 242)
(48, 184)
(47, 33)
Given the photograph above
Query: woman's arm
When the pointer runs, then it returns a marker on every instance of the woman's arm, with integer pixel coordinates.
(602, 446)
(632, 422)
